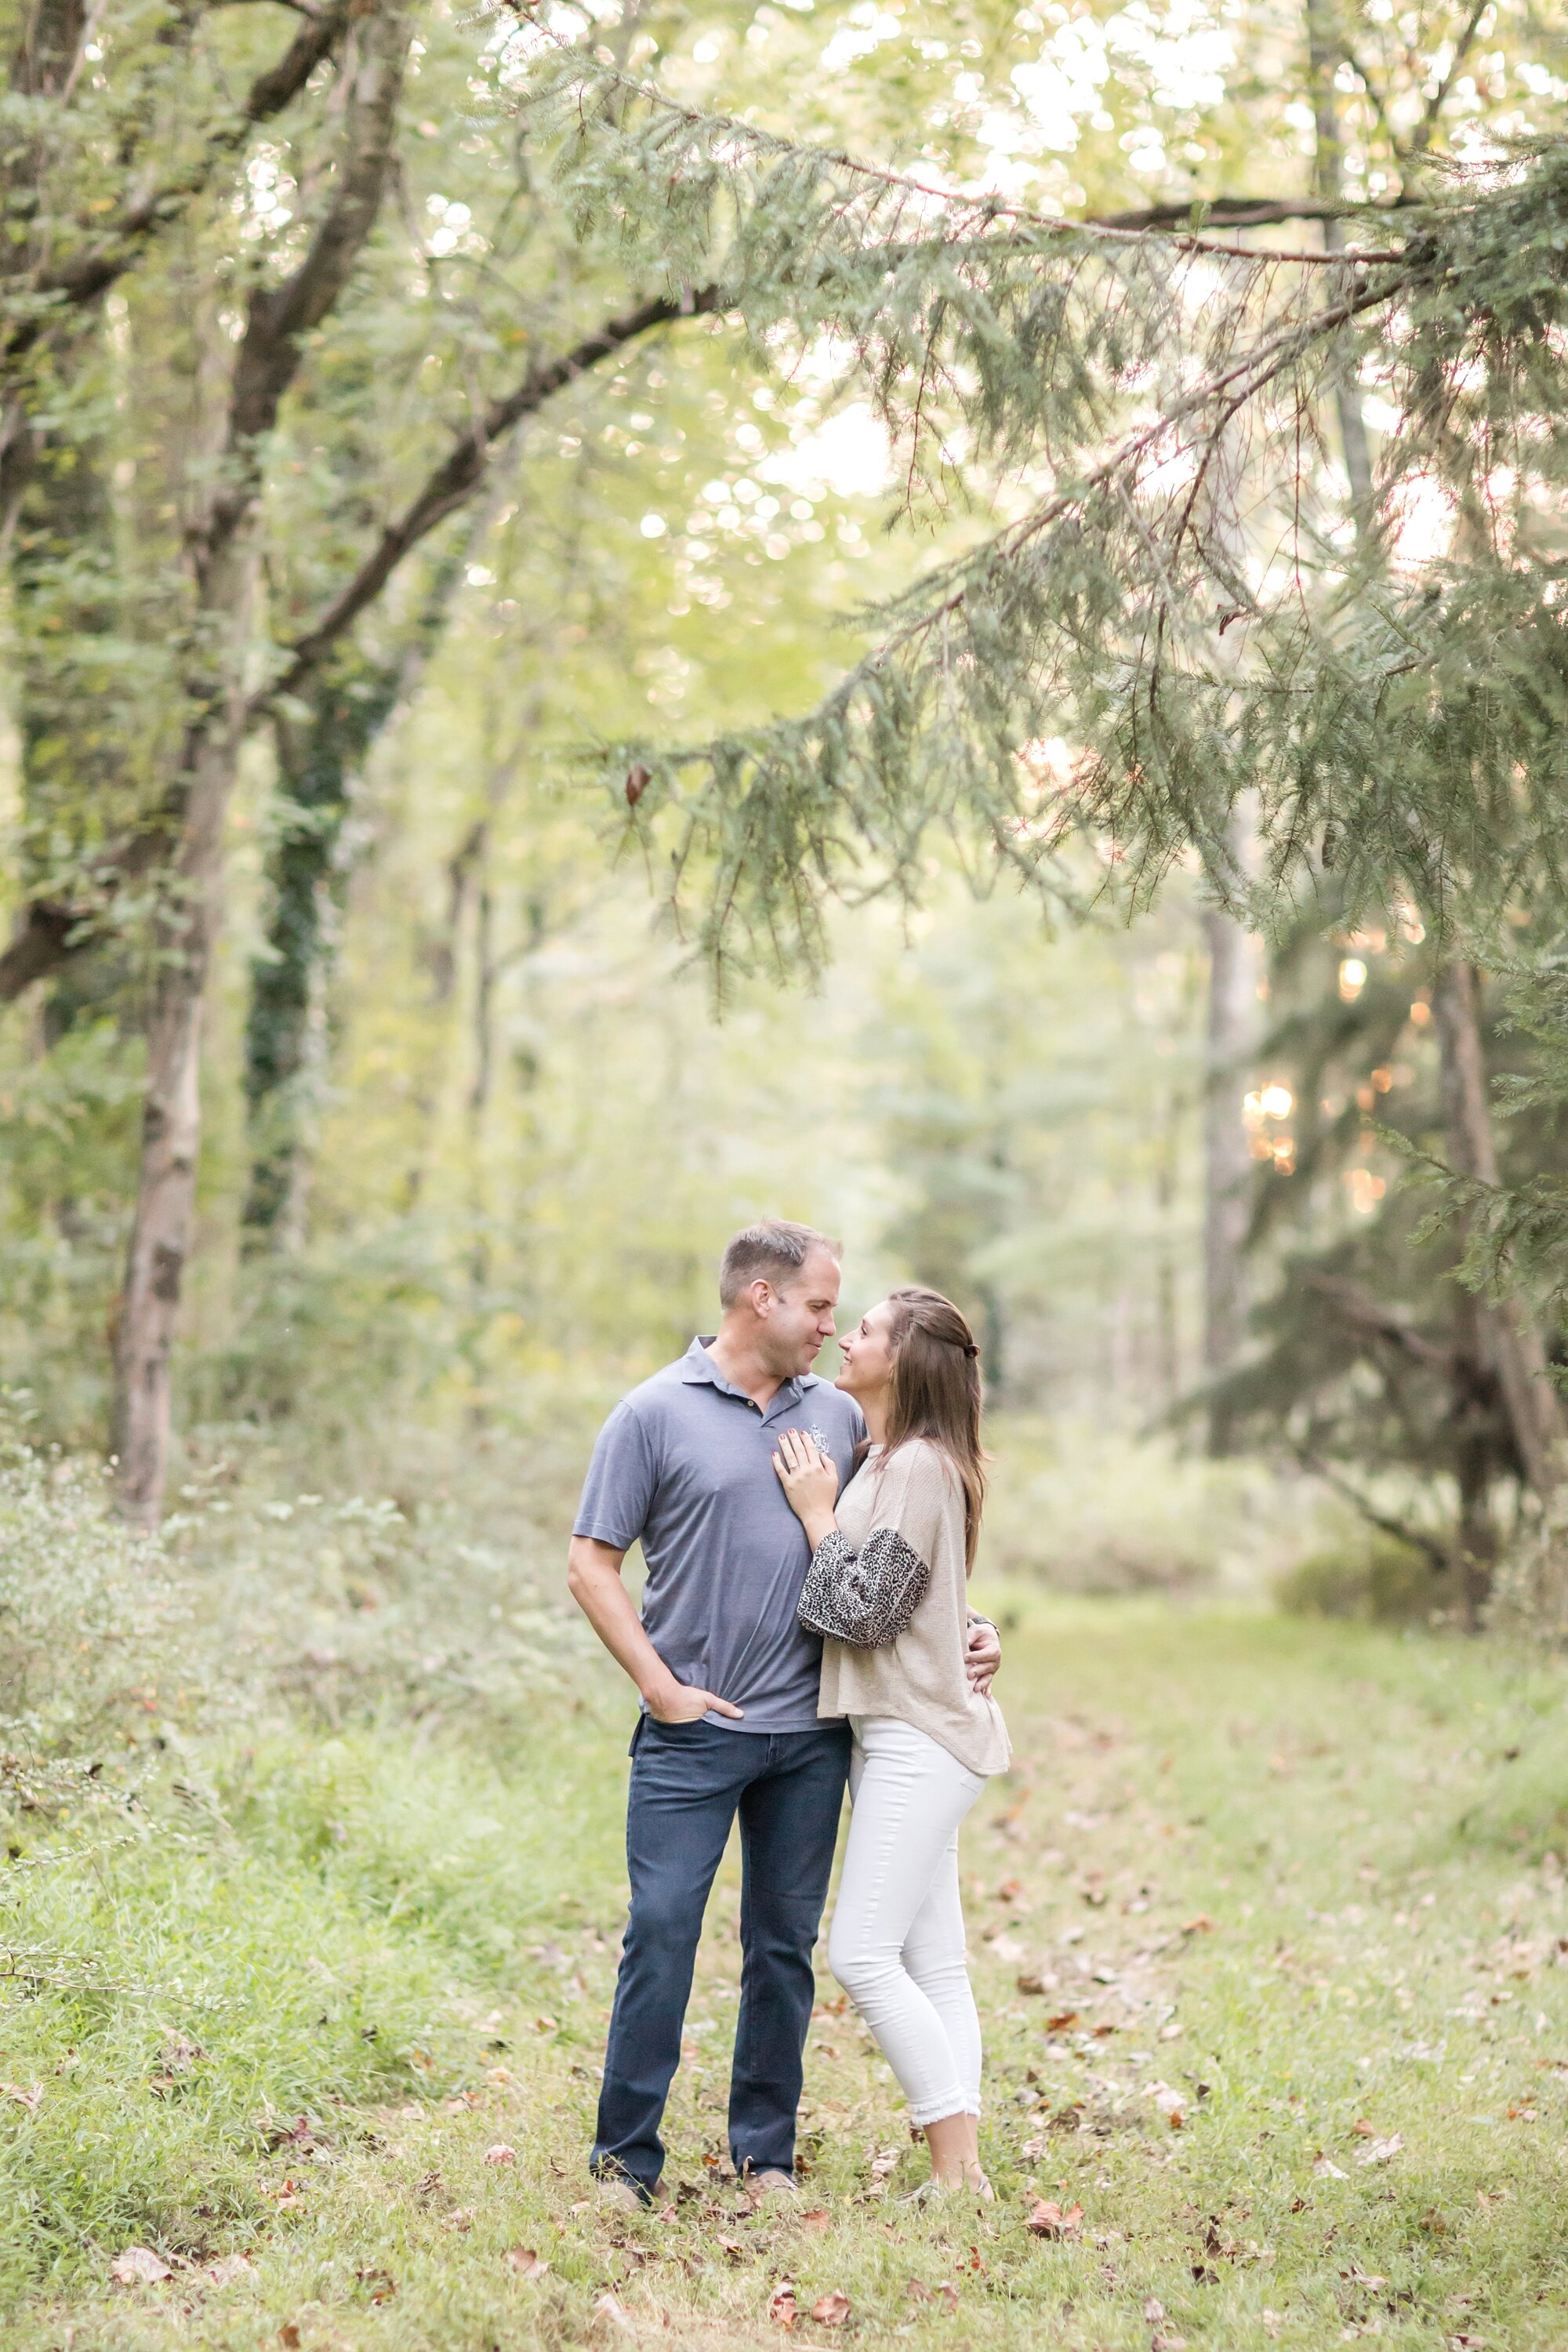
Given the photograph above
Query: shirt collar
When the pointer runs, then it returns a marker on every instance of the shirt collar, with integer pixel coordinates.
(698, 1367)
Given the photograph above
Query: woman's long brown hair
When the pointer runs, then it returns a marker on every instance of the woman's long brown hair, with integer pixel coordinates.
(935, 1392)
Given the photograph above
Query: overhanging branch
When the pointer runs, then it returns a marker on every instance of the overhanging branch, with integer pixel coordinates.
(454, 481)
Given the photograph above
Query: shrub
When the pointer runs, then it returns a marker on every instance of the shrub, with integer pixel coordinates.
(93, 1633)
(1370, 1576)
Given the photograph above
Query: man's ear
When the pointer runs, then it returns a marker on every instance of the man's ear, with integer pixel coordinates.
(762, 1297)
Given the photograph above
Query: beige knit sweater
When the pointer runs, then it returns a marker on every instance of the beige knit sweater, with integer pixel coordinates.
(919, 1678)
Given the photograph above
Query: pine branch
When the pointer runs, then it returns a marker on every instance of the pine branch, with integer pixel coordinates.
(1416, 728)
(579, 78)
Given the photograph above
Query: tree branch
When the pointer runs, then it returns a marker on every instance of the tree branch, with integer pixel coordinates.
(51, 932)
(88, 274)
(280, 316)
(454, 480)
(1417, 1537)
(1370, 1315)
(1238, 212)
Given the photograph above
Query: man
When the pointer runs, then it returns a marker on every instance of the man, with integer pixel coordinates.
(729, 1685)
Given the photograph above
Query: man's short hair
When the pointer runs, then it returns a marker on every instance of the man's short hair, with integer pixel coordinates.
(771, 1251)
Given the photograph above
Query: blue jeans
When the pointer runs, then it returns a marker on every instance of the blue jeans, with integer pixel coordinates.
(689, 1780)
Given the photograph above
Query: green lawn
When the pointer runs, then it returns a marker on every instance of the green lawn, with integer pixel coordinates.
(1289, 1894)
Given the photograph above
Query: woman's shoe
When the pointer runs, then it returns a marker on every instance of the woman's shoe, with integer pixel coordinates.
(933, 2191)
(976, 2179)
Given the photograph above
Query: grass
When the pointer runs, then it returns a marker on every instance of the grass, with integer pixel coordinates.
(1288, 1893)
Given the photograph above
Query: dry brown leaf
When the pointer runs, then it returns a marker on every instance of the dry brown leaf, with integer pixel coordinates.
(610, 2307)
(1062, 2019)
(1202, 1926)
(1362, 2129)
(138, 2266)
(819, 2218)
(1032, 1981)
(500, 2154)
(1164, 2339)
(831, 2310)
(229, 2269)
(943, 2291)
(460, 2218)
(1384, 2151)
(288, 2335)
(31, 2097)
(382, 2285)
(1153, 2310)
(526, 2262)
(1046, 2219)
(781, 2307)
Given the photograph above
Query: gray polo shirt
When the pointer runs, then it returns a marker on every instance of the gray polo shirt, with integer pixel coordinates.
(684, 1465)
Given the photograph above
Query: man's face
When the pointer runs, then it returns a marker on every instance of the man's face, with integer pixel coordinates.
(799, 1320)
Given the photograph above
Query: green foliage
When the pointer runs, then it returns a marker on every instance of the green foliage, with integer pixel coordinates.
(1369, 1576)
(93, 1654)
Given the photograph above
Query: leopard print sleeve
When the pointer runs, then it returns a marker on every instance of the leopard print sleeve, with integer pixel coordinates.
(864, 1598)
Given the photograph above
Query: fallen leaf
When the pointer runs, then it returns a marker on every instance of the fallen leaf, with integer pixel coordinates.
(1153, 2310)
(1032, 2151)
(1202, 1926)
(460, 2218)
(229, 2269)
(1382, 2151)
(819, 2218)
(180, 2056)
(781, 2309)
(610, 2307)
(31, 2098)
(1046, 2219)
(831, 2310)
(1062, 2019)
(526, 2262)
(500, 2154)
(1326, 2169)
(288, 2335)
(1009, 1890)
(1364, 2130)
(1171, 2103)
(138, 2266)
(943, 2291)
(1466, 2343)
(1164, 2340)
(382, 2286)
(1032, 1981)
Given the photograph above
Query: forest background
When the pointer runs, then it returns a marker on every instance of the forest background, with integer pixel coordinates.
(470, 1137)
(443, 454)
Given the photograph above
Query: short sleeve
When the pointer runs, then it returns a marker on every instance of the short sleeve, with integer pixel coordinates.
(619, 1490)
(916, 1495)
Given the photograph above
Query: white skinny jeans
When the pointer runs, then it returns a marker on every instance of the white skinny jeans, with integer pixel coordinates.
(897, 1941)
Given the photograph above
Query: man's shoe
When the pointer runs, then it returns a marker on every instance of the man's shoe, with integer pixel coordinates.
(769, 2188)
(627, 2196)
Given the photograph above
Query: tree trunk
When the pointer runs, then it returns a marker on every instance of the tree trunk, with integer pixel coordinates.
(279, 320)
(171, 1118)
(318, 763)
(1324, 56)
(1509, 1336)
(1227, 1159)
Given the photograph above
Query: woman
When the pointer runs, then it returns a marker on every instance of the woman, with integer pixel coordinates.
(925, 1740)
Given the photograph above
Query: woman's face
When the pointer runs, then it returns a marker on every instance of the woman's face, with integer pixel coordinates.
(868, 1354)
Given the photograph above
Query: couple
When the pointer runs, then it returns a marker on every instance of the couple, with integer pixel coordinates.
(774, 1510)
